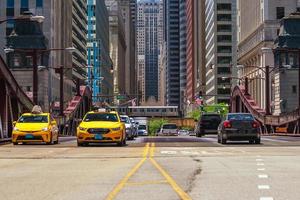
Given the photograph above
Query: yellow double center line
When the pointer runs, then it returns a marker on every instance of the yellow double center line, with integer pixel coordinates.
(148, 150)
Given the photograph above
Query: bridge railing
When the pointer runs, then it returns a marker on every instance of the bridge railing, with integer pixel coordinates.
(271, 120)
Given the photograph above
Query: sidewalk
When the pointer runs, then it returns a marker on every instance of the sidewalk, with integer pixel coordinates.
(5, 141)
(282, 134)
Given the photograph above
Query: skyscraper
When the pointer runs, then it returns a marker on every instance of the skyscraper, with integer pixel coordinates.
(149, 27)
(99, 62)
(61, 31)
(221, 49)
(171, 36)
(183, 37)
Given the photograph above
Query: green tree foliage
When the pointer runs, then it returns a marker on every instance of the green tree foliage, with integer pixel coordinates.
(155, 124)
(195, 114)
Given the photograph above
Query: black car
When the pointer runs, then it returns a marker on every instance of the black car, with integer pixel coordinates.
(208, 124)
(239, 127)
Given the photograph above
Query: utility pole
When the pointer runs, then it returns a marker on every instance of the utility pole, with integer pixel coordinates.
(267, 72)
(35, 77)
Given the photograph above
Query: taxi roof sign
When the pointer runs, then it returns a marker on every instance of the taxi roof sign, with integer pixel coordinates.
(101, 110)
(36, 110)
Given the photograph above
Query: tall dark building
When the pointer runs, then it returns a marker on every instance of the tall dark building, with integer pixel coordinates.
(171, 36)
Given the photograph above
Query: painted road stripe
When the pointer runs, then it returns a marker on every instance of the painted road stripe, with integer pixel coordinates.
(260, 164)
(263, 176)
(259, 160)
(123, 182)
(261, 169)
(266, 198)
(190, 152)
(181, 193)
(169, 152)
(263, 187)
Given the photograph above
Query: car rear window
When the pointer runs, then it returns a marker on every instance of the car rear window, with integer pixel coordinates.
(240, 117)
(211, 117)
(169, 126)
(142, 127)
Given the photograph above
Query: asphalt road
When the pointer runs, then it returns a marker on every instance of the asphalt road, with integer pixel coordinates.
(155, 168)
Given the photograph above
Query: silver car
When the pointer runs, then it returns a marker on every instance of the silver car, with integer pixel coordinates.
(239, 127)
(168, 130)
(129, 126)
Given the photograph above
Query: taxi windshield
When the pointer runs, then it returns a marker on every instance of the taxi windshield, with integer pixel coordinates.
(33, 119)
(101, 117)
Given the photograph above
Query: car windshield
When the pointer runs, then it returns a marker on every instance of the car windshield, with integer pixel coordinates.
(125, 120)
(169, 126)
(240, 117)
(101, 117)
(142, 127)
(33, 119)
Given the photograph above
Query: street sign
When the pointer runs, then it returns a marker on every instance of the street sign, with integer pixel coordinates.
(120, 97)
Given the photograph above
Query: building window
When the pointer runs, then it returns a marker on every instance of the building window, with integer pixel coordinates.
(224, 38)
(24, 6)
(224, 49)
(294, 89)
(224, 17)
(224, 60)
(224, 7)
(224, 28)
(226, 91)
(280, 12)
(39, 3)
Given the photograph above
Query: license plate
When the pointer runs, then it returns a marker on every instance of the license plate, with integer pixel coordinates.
(98, 137)
(29, 136)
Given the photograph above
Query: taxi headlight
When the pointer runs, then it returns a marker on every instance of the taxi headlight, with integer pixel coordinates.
(82, 129)
(45, 129)
(116, 129)
(16, 129)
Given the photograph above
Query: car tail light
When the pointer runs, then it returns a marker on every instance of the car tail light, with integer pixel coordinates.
(227, 124)
(255, 124)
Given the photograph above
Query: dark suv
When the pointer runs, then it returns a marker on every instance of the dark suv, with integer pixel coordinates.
(208, 124)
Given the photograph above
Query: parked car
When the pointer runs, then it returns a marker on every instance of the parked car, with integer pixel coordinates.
(135, 127)
(183, 132)
(208, 124)
(142, 130)
(101, 127)
(239, 127)
(129, 126)
(168, 130)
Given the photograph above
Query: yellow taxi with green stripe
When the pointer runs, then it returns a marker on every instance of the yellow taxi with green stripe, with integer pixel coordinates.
(101, 127)
(35, 127)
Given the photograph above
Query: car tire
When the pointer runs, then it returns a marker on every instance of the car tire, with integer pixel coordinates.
(56, 142)
(257, 141)
(251, 141)
(51, 141)
(15, 143)
(80, 144)
(223, 141)
(219, 140)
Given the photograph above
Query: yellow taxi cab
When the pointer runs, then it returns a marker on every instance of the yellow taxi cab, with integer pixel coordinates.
(35, 127)
(101, 127)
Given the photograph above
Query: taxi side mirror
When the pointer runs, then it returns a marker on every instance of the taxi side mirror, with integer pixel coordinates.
(14, 123)
(78, 120)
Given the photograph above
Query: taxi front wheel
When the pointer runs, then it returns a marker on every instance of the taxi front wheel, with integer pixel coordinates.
(15, 143)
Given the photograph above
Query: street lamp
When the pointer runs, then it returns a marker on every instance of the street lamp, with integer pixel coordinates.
(37, 18)
(35, 53)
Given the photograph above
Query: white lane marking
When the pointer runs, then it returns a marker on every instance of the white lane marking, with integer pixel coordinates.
(263, 176)
(274, 140)
(189, 153)
(204, 152)
(169, 152)
(261, 169)
(259, 160)
(258, 156)
(266, 198)
(263, 187)
(260, 164)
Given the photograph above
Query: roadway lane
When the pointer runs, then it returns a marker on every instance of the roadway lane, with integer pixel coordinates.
(152, 168)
